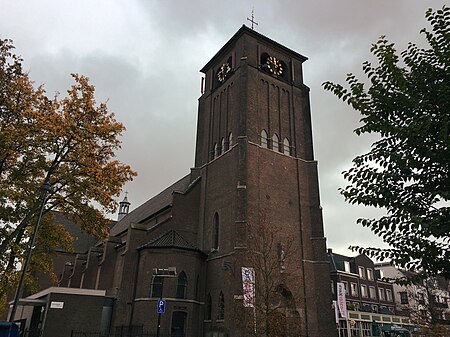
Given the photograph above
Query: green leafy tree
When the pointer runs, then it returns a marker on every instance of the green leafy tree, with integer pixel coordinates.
(407, 171)
(68, 141)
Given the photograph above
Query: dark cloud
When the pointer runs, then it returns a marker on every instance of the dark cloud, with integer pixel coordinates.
(144, 59)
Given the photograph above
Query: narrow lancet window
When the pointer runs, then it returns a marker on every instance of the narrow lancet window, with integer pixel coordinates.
(181, 285)
(286, 147)
(264, 143)
(223, 146)
(221, 307)
(215, 244)
(275, 143)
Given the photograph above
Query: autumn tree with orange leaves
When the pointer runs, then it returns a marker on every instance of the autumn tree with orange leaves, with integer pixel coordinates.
(67, 141)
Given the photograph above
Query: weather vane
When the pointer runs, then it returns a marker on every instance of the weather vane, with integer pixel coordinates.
(252, 19)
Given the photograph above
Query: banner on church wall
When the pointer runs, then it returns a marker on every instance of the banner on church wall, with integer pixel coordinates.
(248, 285)
(342, 303)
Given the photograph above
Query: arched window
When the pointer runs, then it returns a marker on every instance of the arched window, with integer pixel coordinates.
(216, 150)
(264, 139)
(221, 307)
(275, 143)
(208, 308)
(286, 146)
(230, 140)
(215, 241)
(223, 146)
(181, 285)
(157, 286)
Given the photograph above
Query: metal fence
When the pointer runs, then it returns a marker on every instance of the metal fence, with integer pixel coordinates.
(123, 334)
(125, 331)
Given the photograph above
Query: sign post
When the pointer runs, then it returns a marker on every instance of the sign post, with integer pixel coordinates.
(161, 304)
(160, 309)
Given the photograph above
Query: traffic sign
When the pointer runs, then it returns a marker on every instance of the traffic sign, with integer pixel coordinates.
(161, 306)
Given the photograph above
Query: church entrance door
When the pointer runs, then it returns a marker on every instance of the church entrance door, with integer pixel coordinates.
(178, 324)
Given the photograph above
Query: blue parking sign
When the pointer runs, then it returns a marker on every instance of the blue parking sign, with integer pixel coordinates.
(161, 306)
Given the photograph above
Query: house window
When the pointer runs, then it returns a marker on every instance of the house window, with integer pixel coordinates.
(221, 308)
(230, 140)
(381, 294)
(421, 298)
(372, 292)
(264, 139)
(370, 274)
(366, 328)
(208, 308)
(216, 224)
(275, 143)
(389, 295)
(181, 285)
(286, 146)
(363, 290)
(366, 307)
(347, 266)
(404, 297)
(345, 287)
(157, 287)
(354, 289)
(362, 272)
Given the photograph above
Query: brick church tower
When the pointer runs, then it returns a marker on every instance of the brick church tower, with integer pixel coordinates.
(251, 200)
(254, 155)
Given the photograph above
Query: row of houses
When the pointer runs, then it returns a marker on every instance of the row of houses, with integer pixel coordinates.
(373, 299)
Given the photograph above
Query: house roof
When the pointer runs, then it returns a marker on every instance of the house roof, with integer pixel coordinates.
(337, 261)
(151, 206)
(170, 239)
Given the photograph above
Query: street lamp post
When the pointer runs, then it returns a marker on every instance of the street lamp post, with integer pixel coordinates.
(45, 188)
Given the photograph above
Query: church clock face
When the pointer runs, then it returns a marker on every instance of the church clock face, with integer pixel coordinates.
(224, 70)
(274, 65)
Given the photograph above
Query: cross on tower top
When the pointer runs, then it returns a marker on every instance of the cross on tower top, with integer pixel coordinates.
(252, 19)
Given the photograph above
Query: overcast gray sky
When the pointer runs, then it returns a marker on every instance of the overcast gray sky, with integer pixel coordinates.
(144, 57)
